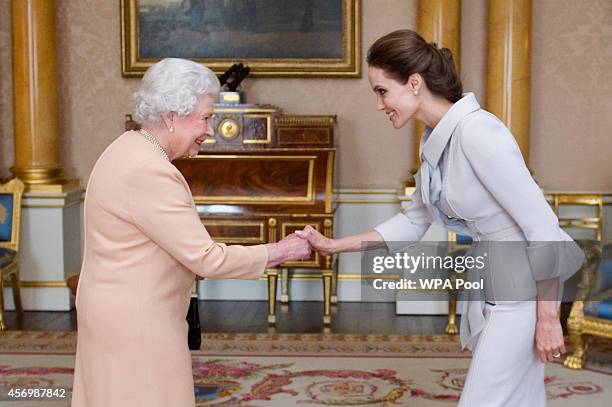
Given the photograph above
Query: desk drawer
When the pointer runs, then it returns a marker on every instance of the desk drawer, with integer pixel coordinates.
(290, 226)
(236, 231)
(260, 230)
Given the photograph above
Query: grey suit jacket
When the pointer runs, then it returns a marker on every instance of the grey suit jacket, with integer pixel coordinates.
(484, 185)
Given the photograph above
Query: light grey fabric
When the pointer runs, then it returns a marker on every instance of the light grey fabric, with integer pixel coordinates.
(473, 181)
(431, 187)
(505, 370)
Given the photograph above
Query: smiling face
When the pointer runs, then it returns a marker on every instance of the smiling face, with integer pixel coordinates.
(190, 131)
(397, 100)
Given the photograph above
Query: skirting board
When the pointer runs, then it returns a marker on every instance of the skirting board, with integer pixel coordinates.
(308, 290)
(41, 299)
(421, 308)
(299, 290)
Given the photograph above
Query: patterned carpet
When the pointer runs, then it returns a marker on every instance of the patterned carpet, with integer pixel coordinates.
(283, 370)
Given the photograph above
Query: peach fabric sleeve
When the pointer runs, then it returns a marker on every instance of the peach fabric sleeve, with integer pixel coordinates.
(161, 206)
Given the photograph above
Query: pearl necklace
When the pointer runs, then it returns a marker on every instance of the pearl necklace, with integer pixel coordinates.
(155, 143)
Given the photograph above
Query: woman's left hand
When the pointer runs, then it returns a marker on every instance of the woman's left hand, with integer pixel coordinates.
(318, 242)
(549, 338)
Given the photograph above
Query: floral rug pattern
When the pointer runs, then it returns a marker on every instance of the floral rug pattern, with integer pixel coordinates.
(257, 370)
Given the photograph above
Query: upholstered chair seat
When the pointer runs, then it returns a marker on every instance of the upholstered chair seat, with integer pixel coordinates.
(591, 313)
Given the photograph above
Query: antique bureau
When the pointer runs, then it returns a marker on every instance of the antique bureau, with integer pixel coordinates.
(262, 176)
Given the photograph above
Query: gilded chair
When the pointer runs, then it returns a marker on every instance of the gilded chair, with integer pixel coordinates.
(591, 312)
(593, 201)
(10, 213)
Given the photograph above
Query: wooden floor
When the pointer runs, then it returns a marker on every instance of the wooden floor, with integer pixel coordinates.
(251, 316)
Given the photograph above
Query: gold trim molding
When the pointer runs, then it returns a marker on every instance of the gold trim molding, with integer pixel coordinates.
(43, 284)
(254, 110)
(366, 191)
(341, 276)
(268, 138)
(347, 65)
(237, 239)
(366, 201)
(328, 182)
(309, 121)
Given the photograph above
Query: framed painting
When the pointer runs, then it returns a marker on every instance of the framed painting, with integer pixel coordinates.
(288, 38)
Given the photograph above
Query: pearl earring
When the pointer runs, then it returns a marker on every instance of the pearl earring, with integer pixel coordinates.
(416, 92)
(171, 129)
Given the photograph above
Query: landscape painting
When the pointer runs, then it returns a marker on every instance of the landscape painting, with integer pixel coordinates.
(274, 38)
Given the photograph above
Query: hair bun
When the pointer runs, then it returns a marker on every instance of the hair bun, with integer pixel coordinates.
(447, 54)
(403, 53)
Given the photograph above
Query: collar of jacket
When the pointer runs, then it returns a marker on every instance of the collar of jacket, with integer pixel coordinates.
(434, 140)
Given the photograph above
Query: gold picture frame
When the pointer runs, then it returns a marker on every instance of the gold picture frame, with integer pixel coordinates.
(272, 41)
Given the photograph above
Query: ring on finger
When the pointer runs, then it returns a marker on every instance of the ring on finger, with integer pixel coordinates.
(556, 355)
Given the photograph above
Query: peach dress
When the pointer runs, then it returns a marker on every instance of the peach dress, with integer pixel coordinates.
(144, 245)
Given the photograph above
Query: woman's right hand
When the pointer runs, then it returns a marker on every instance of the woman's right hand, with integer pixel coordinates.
(318, 242)
(549, 338)
(289, 248)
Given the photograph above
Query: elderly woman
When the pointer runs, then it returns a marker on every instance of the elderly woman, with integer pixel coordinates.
(145, 245)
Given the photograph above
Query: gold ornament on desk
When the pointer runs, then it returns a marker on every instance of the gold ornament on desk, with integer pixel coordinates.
(229, 129)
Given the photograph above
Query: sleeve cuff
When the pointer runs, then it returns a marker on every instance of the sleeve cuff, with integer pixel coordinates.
(554, 259)
(260, 260)
(397, 232)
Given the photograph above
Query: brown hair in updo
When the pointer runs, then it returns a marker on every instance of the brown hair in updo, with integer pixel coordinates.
(402, 53)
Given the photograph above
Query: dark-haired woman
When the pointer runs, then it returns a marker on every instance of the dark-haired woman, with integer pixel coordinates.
(473, 181)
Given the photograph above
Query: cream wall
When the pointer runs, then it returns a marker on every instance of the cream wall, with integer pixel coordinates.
(571, 115)
(571, 102)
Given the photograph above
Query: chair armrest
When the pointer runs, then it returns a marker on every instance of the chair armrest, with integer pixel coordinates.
(588, 271)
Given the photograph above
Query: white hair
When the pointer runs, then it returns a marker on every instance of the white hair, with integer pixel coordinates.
(172, 85)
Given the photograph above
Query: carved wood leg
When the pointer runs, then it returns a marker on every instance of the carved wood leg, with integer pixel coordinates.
(578, 339)
(451, 326)
(17, 291)
(272, 275)
(272, 279)
(327, 281)
(334, 282)
(285, 286)
(328, 231)
(577, 358)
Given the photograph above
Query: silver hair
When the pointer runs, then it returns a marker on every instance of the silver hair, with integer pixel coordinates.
(172, 85)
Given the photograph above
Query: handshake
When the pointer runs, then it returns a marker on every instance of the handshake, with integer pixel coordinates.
(298, 246)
